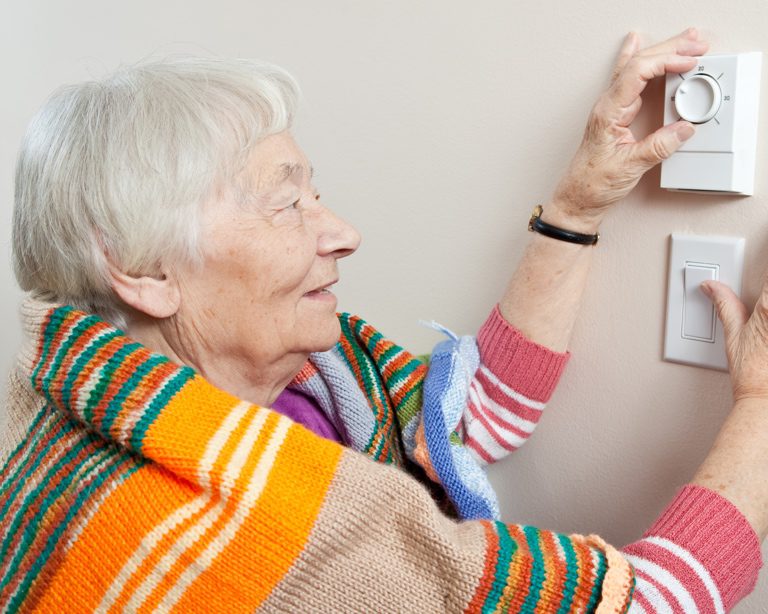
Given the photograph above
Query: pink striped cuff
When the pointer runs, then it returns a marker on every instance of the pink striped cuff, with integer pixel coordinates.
(701, 548)
(529, 368)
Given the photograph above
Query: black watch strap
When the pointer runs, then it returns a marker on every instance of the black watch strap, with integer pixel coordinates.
(535, 224)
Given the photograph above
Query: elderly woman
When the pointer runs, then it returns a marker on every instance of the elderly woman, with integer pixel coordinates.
(193, 427)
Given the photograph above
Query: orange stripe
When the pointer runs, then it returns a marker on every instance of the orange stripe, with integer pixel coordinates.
(519, 578)
(165, 544)
(64, 328)
(148, 564)
(409, 383)
(554, 569)
(77, 347)
(139, 396)
(127, 367)
(98, 359)
(178, 442)
(489, 573)
(196, 550)
(111, 537)
(275, 532)
(585, 574)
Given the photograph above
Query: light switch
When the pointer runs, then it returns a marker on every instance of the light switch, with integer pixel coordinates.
(698, 311)
(693, 333)
(721, 95)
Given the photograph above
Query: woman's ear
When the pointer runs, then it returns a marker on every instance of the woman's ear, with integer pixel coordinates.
(157, 296)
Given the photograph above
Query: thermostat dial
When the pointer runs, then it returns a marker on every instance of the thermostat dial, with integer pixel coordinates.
(698, 98)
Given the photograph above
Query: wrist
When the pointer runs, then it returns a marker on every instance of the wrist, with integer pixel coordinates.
(565, 215)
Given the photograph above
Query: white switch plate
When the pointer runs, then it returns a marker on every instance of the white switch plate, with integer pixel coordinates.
(720, 157)
(726, 255)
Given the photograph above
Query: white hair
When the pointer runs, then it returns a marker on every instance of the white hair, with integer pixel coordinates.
(120, 167)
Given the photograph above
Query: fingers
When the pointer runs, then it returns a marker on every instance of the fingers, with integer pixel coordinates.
(731, 311)
(641, 69)
(629, 47)
(635, 67)
(688, 42)
(661, 144)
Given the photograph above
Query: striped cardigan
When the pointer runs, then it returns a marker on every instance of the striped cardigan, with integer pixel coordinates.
(130, 483)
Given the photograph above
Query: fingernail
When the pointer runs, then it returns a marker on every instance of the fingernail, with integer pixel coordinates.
(706, 289)
(685, 131)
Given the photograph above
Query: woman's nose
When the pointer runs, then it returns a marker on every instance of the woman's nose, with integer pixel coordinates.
(335, 236)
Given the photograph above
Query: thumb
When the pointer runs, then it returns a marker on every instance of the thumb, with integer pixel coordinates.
(661, 144)
(731, 311)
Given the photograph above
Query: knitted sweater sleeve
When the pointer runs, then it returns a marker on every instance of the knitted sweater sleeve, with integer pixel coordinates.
(700, 556)
(510, 389)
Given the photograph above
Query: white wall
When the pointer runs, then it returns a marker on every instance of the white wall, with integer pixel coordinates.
(435, 127)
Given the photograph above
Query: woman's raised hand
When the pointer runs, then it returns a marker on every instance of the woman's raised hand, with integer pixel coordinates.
(746, 340)
(610, 161)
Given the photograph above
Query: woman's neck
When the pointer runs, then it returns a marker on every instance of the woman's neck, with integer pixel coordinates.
(258, 379)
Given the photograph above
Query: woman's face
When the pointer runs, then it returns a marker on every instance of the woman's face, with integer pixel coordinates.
(268, 262)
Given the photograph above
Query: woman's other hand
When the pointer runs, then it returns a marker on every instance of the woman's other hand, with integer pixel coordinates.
(610, 161)
(746, 340)
(737, 465)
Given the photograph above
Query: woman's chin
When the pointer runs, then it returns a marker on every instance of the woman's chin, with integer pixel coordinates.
(322, 336)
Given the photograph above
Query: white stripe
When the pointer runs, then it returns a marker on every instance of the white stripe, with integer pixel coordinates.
(482, 400)
(152, 539)
(255, 488)
(636, 608)
(477, 432)
(194, 533)
(670, 582)
(218, 441)
(95, 505)
(520, 398)
(652, 596)
(696, 566)
(42, 374)
(83, 396)
(81, 401)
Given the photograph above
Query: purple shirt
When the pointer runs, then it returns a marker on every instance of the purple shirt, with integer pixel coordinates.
(303, 409)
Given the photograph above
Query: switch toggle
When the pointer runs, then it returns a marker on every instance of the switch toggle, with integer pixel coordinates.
(693, 334)
(698, 311)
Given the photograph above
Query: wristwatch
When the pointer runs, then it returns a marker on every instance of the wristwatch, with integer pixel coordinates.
(535, 224)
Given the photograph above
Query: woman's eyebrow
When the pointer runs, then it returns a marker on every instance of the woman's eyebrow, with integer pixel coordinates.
(287, 169)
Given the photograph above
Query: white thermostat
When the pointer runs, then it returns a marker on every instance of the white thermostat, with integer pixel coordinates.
(720, 96)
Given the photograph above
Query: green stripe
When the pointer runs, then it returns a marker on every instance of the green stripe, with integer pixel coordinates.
(55, 318)
(86, 494)
(407, 408)
(375, 384)
(116, 404)
(597, 585)
(507, 549)
(381, 394)
(62, 352)
(538, 572)
(170, 389)
(26, 441)
(29, 500)
(30, 466)
(356, 359)
(82, 360)
(113, 363)
(571, 574)
(403, 372)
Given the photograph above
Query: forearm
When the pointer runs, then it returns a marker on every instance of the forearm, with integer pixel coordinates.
(736, 467)
(543, 297)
